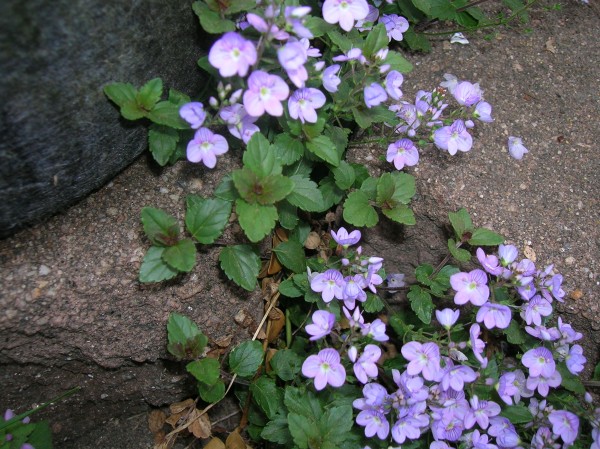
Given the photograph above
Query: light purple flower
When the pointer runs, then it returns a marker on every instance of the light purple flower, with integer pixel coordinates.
(467, 94)
(232, 54)
(535, 309)
(575, 360)
(393, 81)
(294, 17)
(543, 384)
(406, 427)
(470, 287)
(352, 55)
(353, 290)
(374, 397)
(544, 439)
(331, 80)
(447, 317)
(325, 368)
(423, 358)
(366, 365)
(511, 386)
(239, 123)
(395, 25)
(395, 280)
(304, 102)
(481, 412)
(516, 147)
(543, 333)
(193, 113)
(483, 112)
(372, 16)
(322, 324)
(343, 238)
(455, 376)
(565, 424)
(355, 319)
(489, 262)
(375, 330)
(494, 315)
(205, 147)
(346, 12)
(568, 334)
(403, 152)
(292, 57)
(477, 344)
(539, 361)
(261, 25)
(374, 95)
(330, 284)
(265, 94)
(507, 254)
(450, 83)
(374, 422)
(453, 138)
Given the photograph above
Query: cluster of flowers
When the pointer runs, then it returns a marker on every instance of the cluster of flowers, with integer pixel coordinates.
(432, 393)
(8, 415)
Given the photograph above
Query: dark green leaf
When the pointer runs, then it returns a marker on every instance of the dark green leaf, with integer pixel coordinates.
(339, 137)
(226, 189)
(154, 269)
(514, 333)
(485, 237)
(570, 381)
(210, 20)
(373, 304)
(267, 395)
(241, 264)
(305, 432)
(313, 130)
(332, 194)
(305, 195)
(211, 393)
(343, 42)
(290, 289)
(207, 67)
(181, 256)
(286, 364)
(422, 273)
(462, 255)
(206, 370)
(317, 26)
(178, 98)
(167, 113)
(245, 359)
(267, 190)
(517, 414)
(186, 341)
(461, 223)
(335, 425)
(421, 303)
(516, 5)
(277, 431)
(344, 175)
(162, 141)
(236, 6)
(398, 62)
(394, 188)
(596, 375)
(443, 276)
(288, 215)
(205, 219)
(287, 150)
(255, 219)
(161, 228)
(40, 436)
(376, 40)
(149, 94)
(324, 149)
(302, 402)
(358, 211)
(400, 214)
(132, 111)
(369, 187)
(291, 255)
(417, 42)
(400, 326)
(120, 93)
(260, 157)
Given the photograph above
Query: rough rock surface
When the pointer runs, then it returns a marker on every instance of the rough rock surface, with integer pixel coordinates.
(73, 313)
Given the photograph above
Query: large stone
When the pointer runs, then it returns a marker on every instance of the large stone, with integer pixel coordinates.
(61, 137)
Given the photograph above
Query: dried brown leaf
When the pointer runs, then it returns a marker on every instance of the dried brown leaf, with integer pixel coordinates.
(576, 294)
(200, 424)
(312, 241)
(268, 356)
(530, 253)
(281, 235)
(215, 443)
(178, 407)
(156, 420)
(235, 441)
(174, 419)
(274, 265)
(224, 342)
(159, 438)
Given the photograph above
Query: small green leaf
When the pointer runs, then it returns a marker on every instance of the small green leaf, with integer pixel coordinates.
(324, 149)
(149, 94)
(205, 219)
(260, 157)
(161, 228)
(373, 304)
(154, 269)
(305, 432)
(369, 187)
(120, 93)
(287, 150)
(210, 20)
(485, 237)
(305, 195)
(394, 188)
(417, 42)
(313, 130)
(596, 375)
(267, 395)
(462, 255)
(178, 98)
(277, 431)
(514, 333)
(398, 62)
(226, 189)
(286, 364)
(332, 194)
(239, 6)
(344, 175)
(358, 211)
(241, 264)
(421, 303)
(517, 414)
(211, 393)
(290, 289)
(186, 340)
(401, 214)
(245, 359)
(162, 141)
(132, 111)
(267, 190)
(343, 42)
(288, 215)
(570, 381)
(255, 219)
(461, 223)
(376, 40)
(167, 113)
(181, 256)
(206, 370)
(317, 26)
(339, 137)
(291, 255)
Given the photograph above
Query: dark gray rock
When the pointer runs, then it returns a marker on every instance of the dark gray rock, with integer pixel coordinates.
(61, 137)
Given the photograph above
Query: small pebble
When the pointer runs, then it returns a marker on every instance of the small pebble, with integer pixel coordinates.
(44, 270)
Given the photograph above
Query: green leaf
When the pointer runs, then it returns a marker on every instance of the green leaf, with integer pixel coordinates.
(485, 237)
(290, 289)
(149, 94)
(291, 255)
(226, 189)
(362, 118)
(515, 5)
(317, 26)
(517, 414)
(260, 157)
(324, 149)
(332, 194)
(178, 98)
(417, 42)
(369, 187)
(241, 264)
(302, 402)
(161, 228)
(596, 375)
(313, 130)
(400, 326)
(277, 431)
(343, 42)
(394, 188)
(286, 364)
(344, 175)
(401, 214)
(287, 150)
(570, 381)
(120, 93)
(339, 137)
(358, 211)
(398, 62)
(206, 370)
(154, 269)
(267, 395)
(245, 359)
(376, 40)
(162, 141)
(41, 435)
(443, 276)
(305, 195)
(267, 190)
(288, 215)
(335, 426)
(205, 219)
(461, 223)
(462, 255)
(181, 256)
(210, 20)
(239, 6)
(421, 303)
(373, 304)
(132, 111)
(186, 340)
(207, 67)
(305, 432)
(211, 393)
(514, 333)
(255, 219)
(167, 113)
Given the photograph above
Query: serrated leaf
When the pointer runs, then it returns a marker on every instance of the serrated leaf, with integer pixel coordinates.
(290, 289)
(161, 228)
(376, 40)
(286, 364)
(342, 41)
(226, 189)
(149, 94)
(162, 141)
(358, 211)
(369, 187)
(211, 393)
(288, 215)
(206, 370)
(400, 326)
(324, 149)
(332, 194)
(154, 268)
(210, 20)
(305, 195)
(344, 175)
(236, 6)
(317, 26)
(267, 395)
(186, 340)
(205, 219)
(267, 190)
(461, 222)
(514, 333)
(305, 432)
(373, 304)
(181, 256)
(570, 381)
(241, 264)
(291, 255)
(167, 113)
(417, 42)
(287, 150)
(485, 237)
(394, 188)
(277, 431)
(120, 93)
(256, 220)
(398, 62)
(132, 111)
(260, 157)
(178, 98)
(400, 214)
(313, 130)
(421, 303)
(339, 137)
(245, 359)
(462, 255)
(517, 414)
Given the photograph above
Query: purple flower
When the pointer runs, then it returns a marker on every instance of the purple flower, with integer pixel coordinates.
(494, 315)
(544, 439)
(483, 112)
(355, 319)
(403, 152)
(512, 385)
(261, 25)
(193, 113)
(516, 147)
(395, 25)
(232, 54)
(539, 361)
(447, 317)
(543, 333)
(292, 57)
(565, 424)
(393, 81)
(374, 422)
(455, 376)
(481, 412)
(450, 83)
(470, 287)
(406, 427)
(331, 80)
(322, 324)
(507, 254)
(575, 360)
(371, 18)
(543, 384)
(375, 397)
(366, 365)
(346, 12)
(294, 16)
(265, 94)
(489, 263)
(343, 238)
(353, 54)
(374, 95)
(239, 123)
(467, 94)
(330, 284)
(568, 334)
(423, 358)
(453, 138)
(535, 309)
(304, 102)
(375, 330)
(477, 344)
(205, 147)
(325, 368)
(481, 440)
(353, 290)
